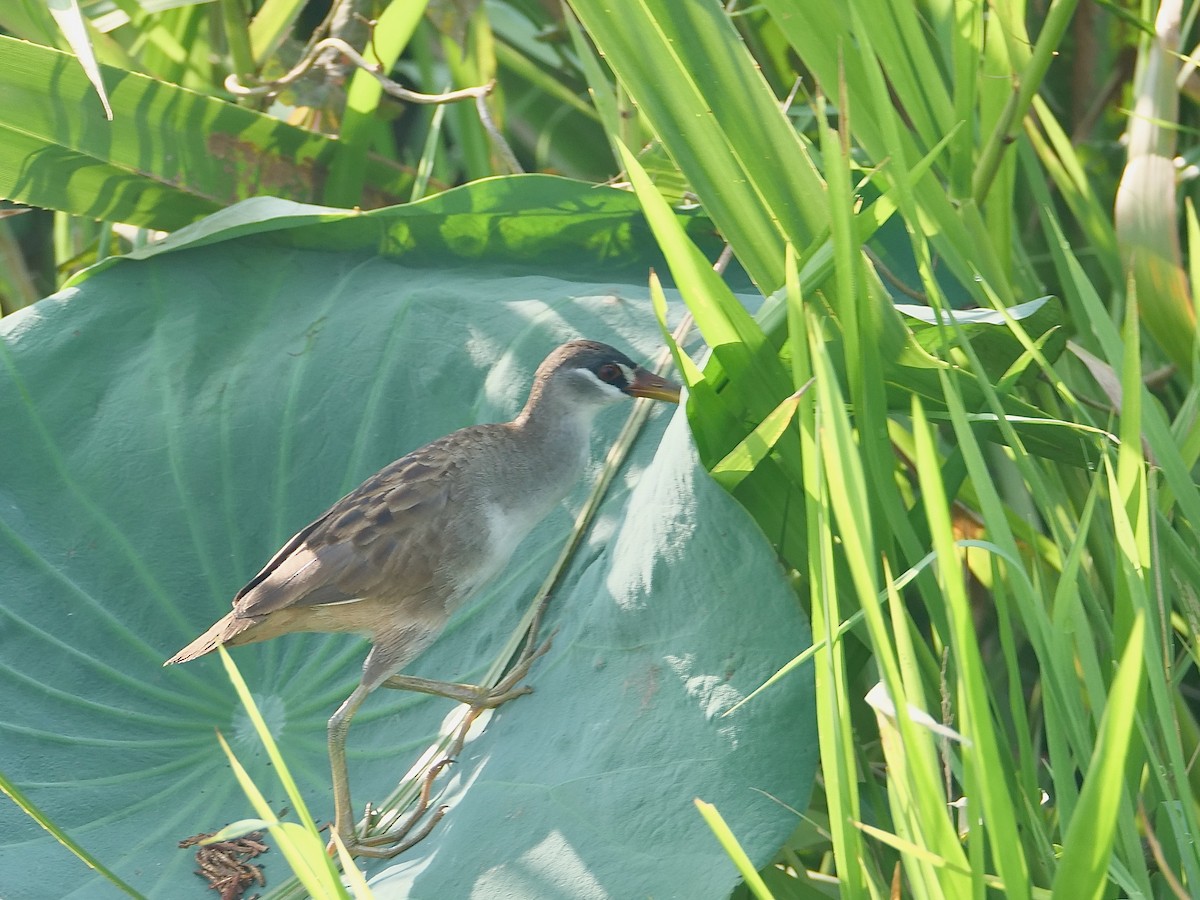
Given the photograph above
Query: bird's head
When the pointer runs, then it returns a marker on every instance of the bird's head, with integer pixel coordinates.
(593, 374)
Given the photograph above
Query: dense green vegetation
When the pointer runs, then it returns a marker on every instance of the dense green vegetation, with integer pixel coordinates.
(991, 520)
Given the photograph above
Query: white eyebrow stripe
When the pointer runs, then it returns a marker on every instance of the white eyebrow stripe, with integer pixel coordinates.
(610, 389)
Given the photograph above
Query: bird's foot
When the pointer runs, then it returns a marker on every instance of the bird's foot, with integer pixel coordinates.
(509, 687)
(401, 836)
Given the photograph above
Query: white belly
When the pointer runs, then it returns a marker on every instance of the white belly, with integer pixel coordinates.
(503, 533)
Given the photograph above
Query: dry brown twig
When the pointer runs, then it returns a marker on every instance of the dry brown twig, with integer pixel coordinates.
(226, 864)
(323, 48)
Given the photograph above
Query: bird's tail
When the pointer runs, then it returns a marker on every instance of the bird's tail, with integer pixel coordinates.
(226, 631)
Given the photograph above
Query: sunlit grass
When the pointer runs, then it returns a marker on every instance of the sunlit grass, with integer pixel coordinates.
(996, 530)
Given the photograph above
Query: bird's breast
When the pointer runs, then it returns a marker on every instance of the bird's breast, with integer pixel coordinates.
(512, 495)
(500, 531)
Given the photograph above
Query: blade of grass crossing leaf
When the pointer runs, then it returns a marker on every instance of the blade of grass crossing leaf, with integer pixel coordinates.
(18, 797)
(429, 152)
(754, 448)
(240, 828)
(352, 873)
(658, 299)
(303, 850)
(733, 849)
(1089, 838)
(264, 734)
(983, 762)
(720, 318)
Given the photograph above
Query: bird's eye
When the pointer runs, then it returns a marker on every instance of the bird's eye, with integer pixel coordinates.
(609, 372)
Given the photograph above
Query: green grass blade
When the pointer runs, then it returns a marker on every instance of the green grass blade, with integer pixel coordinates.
(268, 742)
(74, 28)
(985, 767)
(1089, 838)
(18, 797)
(731, 846)
(300, 846)
(718, 120)
(754, 448)
(731, 332)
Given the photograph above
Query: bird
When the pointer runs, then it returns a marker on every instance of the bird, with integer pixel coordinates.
(395, 557)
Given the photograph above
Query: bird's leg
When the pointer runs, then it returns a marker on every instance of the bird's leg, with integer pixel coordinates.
(476, 696)
(339, 726)
(344, 824)
(400, 838)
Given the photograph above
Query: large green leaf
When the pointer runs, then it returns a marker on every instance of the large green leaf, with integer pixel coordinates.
(170, 421)
(168, 157)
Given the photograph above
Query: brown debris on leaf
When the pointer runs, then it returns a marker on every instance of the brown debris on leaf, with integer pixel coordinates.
(226, 864)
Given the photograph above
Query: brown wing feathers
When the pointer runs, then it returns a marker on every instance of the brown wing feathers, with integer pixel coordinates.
(365, 545)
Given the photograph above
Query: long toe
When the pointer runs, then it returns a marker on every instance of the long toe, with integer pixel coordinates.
(395, 841)
(510, 687)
